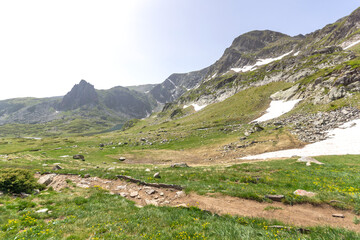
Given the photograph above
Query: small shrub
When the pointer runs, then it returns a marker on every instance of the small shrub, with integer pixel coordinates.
(18, 181)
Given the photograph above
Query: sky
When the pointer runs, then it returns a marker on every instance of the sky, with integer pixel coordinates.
(47, 46)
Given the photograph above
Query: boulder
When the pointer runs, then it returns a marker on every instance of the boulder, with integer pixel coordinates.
(179, 165)
(46, 179)
(79, 156)
(57, 167)
(276, 198)
(301, 192)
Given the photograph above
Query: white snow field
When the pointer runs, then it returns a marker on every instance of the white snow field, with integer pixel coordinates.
(276, 109)
(196, 106)
(259, 62)
(343, 140)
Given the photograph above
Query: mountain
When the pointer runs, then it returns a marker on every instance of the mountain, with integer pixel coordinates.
(320, 67)
(82, 106)
(246, 51)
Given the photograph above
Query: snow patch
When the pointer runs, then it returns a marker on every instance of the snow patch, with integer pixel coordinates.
(352, 44)
(341, 141)
(196, 106)
(259, 62)
(297, 53)
(276, 109)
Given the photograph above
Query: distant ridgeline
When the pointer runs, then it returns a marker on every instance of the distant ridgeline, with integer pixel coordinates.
(322, 66)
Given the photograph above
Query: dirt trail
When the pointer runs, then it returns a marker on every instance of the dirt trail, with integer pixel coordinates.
(303, 215)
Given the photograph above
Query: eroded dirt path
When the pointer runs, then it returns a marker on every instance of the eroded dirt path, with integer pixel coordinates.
(303, 215)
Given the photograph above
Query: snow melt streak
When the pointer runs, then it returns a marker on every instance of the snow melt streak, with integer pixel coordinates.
(259, 62)
(351, 45)
(342, 140)
(276, 109)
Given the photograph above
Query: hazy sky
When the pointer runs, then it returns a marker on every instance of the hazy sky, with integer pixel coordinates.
(47, 46)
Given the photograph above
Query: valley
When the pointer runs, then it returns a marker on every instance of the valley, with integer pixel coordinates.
(196, 157)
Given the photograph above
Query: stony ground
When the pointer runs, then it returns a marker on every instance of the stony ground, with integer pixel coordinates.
(302, 215)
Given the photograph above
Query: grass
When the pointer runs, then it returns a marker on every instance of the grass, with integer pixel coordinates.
(338, 179)
(95, 214)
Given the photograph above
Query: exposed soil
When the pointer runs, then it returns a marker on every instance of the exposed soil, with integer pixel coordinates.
(303, 215)
(214, 154)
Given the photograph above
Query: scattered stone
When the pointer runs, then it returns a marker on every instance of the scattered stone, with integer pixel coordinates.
(150, 191)
(179, 165)
(87, 175)
(36, 192)
(79, 156)
(157, 175)
(57, 167)
(121, 187)
(276, 198)
(46, 179)
(111, 168)
(83, 169)
(123, 194)
(134, 194)
(101, 145)
(336, 201)
(81, 185)
(24, 195)
(44, 165)
(147, 170)
(308, 164)
(338, 215)
(161, 194)
(122, 159)
(180, 194)
(44, 210)
(151, 202)
(301, 192)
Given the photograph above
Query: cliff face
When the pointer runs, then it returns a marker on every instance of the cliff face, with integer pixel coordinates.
(81, 94)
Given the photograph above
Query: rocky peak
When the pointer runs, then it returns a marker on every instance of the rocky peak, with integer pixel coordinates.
(81, 94)
(255, 40)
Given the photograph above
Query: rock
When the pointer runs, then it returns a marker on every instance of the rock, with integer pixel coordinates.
(121, 187)
(157, 175)
(152, 202)
(286, 94)
(24, 195)
(180, 194)
(308, 164)
(79, 156)
(57, 167)
(36, 192)
(81, 185)
(301, 192)
(150, 191)
(147, 170)
(338, 215)
(87, 175)
(58, 148)
(179, 165)
(134, 194)
(46, 179)
(276, 198)
(123, 194)
(44, 210)
(122, 159)
(101, 145)
(111, 168)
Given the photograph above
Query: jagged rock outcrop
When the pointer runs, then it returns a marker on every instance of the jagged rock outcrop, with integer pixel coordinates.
(81, 94)
(177, 84)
